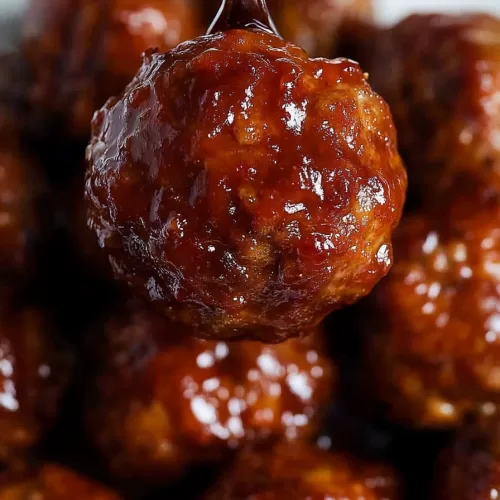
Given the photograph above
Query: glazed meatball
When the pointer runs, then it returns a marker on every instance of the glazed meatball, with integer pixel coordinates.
(470, 469)
(298, 471)
(244, 189)
(34, 371)
(160, 407)
(51, 482)
(433, 329)
(20, 193)
(443, 91)
(81, 52)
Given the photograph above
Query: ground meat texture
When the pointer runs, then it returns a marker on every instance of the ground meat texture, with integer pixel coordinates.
(52, 482)
(434, 330)
(81, 52)
(158, 408)
(470, 468)
(244, 189)
(20, 193)
(443, 91)
(300, 470)
(34, 371)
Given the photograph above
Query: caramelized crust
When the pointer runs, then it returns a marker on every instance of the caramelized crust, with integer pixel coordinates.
(160, 407)
(244, 189)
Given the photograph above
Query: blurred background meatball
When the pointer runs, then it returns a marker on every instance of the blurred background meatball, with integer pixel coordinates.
(257, 192)
(21, 193)
(34, 371)
(470, 468)
(442, 87)
(51, 482)
(434, 323)
(81, 52)
(300, 470)
(313, 24)
(159, 407)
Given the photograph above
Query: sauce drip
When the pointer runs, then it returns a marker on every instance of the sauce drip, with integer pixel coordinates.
(243, 14)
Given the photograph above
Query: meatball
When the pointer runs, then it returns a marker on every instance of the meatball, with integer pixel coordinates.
(443, 91)
(51, 482)
(81, 52)
(20, 193)
(298, 471)
(470, 469)
(159, 407)
(435, 351)
(244, 189)
(34, 371)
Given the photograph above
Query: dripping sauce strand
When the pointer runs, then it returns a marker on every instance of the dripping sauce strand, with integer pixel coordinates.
(243, 14)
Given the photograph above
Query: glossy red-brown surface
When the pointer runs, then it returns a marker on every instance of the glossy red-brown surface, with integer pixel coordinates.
(443, 90)
(298, 470)
(52, 482)
(162, 407)
(34, 371)
(81, 52)
(311, 24)
(470, 469)
(435, 327)
(20, 190)
(244, 189)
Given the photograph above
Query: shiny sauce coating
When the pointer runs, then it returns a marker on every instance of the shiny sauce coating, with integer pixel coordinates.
(245, 189)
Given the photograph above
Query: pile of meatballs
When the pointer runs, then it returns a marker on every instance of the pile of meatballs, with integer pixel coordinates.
(249, 250)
